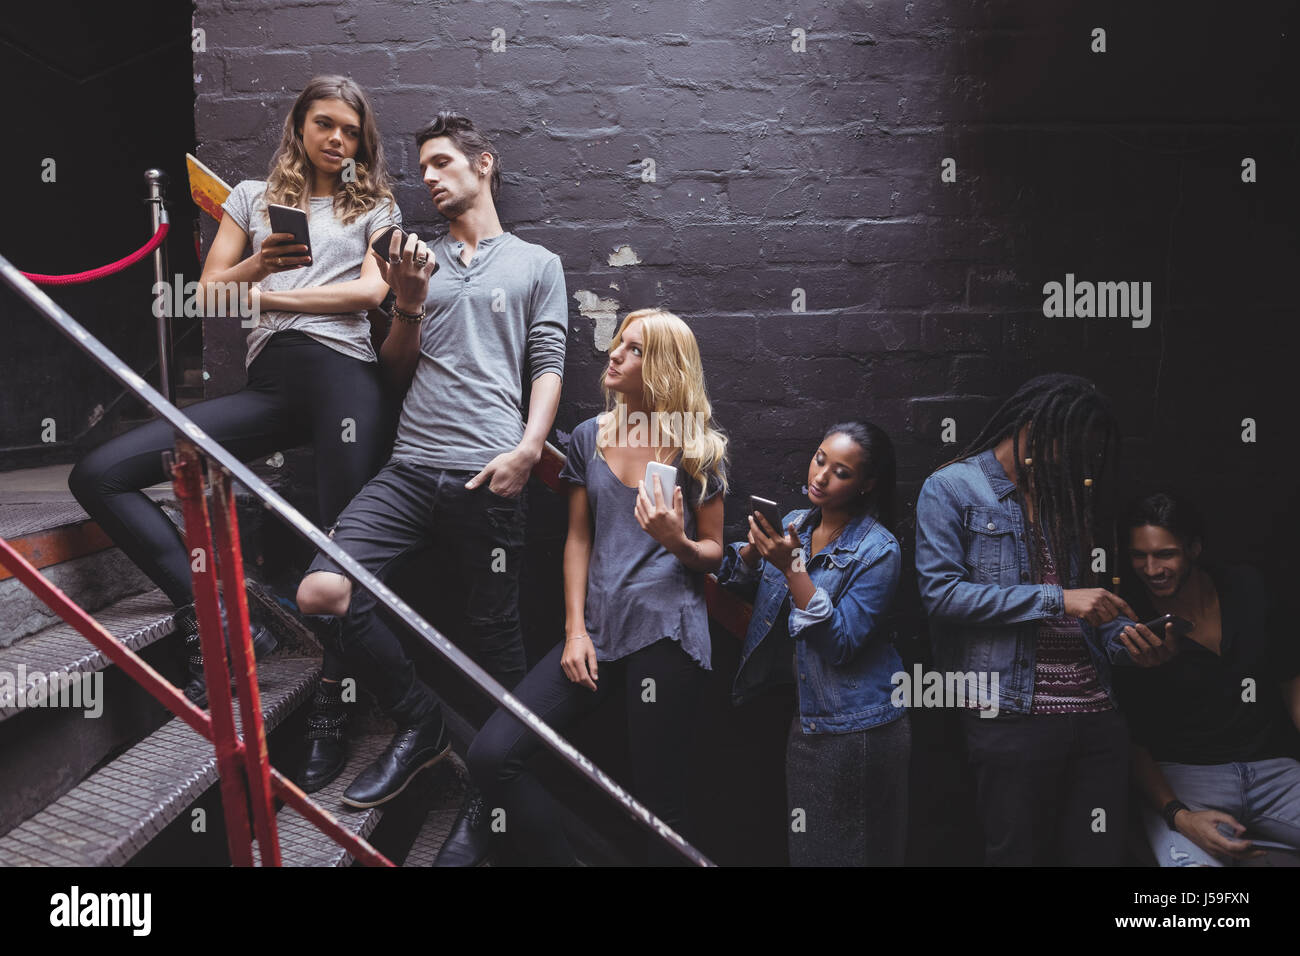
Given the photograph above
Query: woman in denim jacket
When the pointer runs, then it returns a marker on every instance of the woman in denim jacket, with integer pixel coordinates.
(818, 622)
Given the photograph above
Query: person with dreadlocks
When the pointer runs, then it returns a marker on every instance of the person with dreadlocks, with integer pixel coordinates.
(1004, 544)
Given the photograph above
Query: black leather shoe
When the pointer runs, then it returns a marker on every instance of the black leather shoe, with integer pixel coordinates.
(326, 745)
(264, 642)
(470, 840)
(412, 748)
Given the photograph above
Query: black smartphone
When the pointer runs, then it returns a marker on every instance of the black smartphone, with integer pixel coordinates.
(769, 510)
(1182, 626)
(1258, 844)
(381, 245)
(292, 220)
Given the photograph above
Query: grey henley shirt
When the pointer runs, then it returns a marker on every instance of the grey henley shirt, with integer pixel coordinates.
(487, 325)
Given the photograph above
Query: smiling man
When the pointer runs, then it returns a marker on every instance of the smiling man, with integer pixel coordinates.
(478, 314)
(1214, 712)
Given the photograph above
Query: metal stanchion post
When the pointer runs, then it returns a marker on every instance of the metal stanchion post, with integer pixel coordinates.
(157, 182)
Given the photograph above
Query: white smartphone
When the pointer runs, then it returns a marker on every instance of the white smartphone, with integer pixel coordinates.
(667, 480)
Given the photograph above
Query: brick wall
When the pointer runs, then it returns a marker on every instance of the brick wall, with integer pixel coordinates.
(777, 170)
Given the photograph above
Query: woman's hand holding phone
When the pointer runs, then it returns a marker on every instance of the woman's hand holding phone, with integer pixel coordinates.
(775, 549)
(664, 522)
(407, 270)
(280, 252)
(579, 660)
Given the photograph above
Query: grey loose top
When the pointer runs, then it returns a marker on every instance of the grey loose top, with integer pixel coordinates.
(337, 252)
(638, 592)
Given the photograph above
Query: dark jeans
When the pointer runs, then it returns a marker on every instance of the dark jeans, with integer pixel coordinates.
(1040, 782)
(659, 738)
(407, 508)
(852, 789)
(298, 391)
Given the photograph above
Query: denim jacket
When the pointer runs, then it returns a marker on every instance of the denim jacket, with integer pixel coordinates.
(845, 658)
(973, 568)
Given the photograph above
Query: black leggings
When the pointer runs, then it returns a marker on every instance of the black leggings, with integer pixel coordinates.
(298, 391)
(659, 741)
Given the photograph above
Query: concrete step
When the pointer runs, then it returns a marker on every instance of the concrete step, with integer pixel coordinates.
(113, 813)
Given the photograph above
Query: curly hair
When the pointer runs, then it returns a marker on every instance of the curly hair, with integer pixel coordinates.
(288, 182)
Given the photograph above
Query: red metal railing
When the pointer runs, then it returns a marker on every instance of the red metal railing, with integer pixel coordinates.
(230, 749)
(243, 763)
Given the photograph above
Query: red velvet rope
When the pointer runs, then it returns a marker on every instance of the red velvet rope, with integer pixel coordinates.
(79, 277)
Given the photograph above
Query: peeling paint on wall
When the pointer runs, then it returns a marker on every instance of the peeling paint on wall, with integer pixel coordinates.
(624, 256)
(604, 311)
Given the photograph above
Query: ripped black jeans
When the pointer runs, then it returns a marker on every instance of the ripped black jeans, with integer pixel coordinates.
(407, 508)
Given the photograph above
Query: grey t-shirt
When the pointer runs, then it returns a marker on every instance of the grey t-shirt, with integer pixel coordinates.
(336, 252)
(638, 592)
(487, 326)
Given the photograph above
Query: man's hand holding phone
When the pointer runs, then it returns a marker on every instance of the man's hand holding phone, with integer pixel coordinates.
(1146, 646)
(407, 269)
(1217, 833)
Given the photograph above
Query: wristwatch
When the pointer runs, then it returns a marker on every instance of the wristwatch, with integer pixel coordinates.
(1170, 810)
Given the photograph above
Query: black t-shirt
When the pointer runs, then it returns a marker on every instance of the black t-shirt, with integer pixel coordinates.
(1190, 709)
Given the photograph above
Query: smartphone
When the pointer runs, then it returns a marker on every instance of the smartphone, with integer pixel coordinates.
(1182, 626)
(381, 245)
(290, 219)
(1258, 844)
(667, 480)
(769, 510)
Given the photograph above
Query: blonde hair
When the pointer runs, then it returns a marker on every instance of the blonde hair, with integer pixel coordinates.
(288, 181)
(672, 377)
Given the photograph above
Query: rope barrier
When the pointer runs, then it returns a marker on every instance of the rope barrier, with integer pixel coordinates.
(76, 278)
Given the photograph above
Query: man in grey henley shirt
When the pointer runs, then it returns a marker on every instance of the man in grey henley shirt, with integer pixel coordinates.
(479, 313)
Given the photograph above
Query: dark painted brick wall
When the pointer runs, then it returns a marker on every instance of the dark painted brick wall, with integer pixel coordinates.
(778, 170)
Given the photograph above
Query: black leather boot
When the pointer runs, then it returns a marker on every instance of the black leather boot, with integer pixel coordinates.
(412, 748)
(264, 642)
(326, 747)
(470, 840)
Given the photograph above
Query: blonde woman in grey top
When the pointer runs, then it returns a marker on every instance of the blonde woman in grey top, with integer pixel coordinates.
(634, 566)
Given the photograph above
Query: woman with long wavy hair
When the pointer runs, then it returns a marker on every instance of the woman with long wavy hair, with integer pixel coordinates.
(634, 566)
(313, 376)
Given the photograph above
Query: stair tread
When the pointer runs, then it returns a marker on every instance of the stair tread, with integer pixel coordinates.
(145, 788)
(301, 844)
(137, 621)
(444, 807)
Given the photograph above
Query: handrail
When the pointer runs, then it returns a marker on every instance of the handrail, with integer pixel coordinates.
(66, 324)
(136, 668)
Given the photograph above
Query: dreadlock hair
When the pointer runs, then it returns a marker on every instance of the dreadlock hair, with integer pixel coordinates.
(1073, 444)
